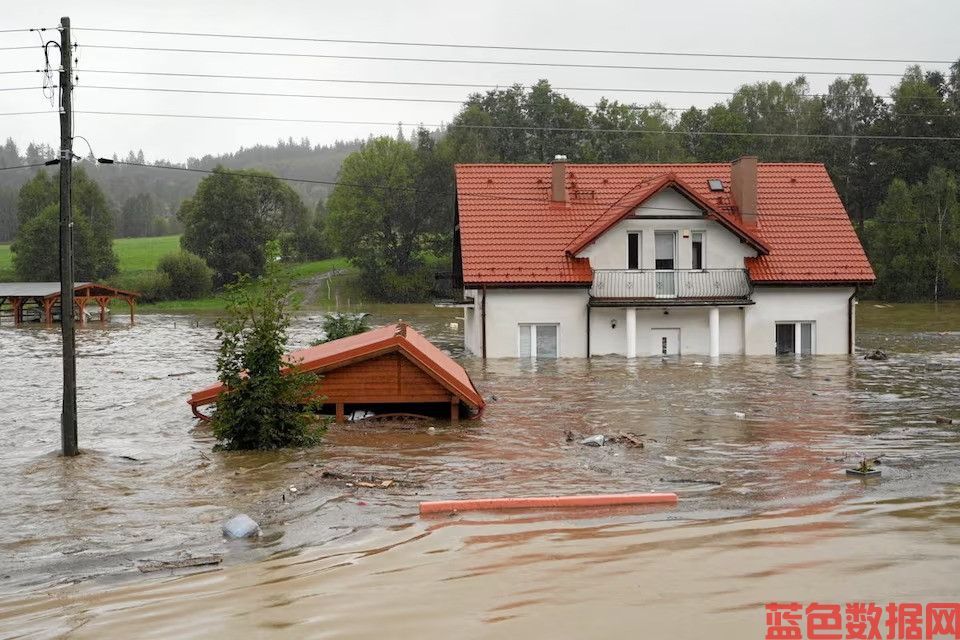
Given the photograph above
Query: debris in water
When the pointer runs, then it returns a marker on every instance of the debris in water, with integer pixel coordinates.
(594, 441)
(627, 439)
(130, 458)
(740, 415)
(241, 526)
(945, 420)
(293, 489)
(179, 375)
(670, 458)
(148, 566)
(876, 354)
(368, 479)
(431, 430)
(690, 481)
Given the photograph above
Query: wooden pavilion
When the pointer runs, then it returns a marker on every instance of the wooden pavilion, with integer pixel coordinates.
(388, 372)
(41, 300)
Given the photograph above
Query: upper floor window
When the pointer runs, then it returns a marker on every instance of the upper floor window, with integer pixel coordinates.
(697, 253)
(633, 250)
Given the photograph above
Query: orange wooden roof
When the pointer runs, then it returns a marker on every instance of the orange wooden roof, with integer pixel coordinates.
(512, 234)
(376, 342)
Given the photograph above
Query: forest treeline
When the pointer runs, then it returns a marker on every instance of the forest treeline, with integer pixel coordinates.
(893, 158)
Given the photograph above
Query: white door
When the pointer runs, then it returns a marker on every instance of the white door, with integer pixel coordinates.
(538, 341)
(665, 246)
(665, 342)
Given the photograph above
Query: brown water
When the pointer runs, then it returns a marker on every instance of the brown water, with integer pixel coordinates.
(784, 522)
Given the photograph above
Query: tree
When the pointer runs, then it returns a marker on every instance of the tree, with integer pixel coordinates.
(914, 241)
(383, 216)
(37, 248)
(93, 230)
(234, 214)
(265, 407)
(136, 216)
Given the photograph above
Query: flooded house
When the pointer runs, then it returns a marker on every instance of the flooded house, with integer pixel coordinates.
(385, 373)
(576, 260)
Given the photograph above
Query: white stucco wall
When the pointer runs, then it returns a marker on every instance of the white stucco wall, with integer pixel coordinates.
(723, 249)
(508, 308)
(472, 326)
(824, 306)
(692, 322)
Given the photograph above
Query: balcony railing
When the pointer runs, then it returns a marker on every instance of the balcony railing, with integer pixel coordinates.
(681, 285)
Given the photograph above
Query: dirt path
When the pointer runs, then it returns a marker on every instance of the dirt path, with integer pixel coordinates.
(312, 287)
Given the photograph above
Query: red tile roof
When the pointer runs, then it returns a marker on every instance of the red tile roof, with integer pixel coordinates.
(376, 342)
(512, 234)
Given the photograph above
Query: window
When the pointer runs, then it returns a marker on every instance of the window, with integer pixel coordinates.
(664, 243)
(538, 340)
(790, 334)
(696, 249)
(715, 184)
(633, 250)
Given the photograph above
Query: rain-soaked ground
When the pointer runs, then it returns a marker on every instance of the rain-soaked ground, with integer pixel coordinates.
(755, 447)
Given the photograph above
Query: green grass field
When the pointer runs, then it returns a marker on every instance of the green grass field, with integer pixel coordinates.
(139, 256)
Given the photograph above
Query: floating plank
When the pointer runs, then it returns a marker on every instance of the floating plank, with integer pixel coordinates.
(495, 504)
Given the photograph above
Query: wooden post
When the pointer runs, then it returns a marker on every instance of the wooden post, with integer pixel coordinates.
(17, 310)
(81, 306)
(102, 301)
(132, 302)
(48, 310)
(340, 417)
(454, 409)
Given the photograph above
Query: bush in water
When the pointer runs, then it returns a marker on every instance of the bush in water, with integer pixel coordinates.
(190, 277)
(264, 409)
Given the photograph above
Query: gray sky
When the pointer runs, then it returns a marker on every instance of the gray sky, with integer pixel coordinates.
(851, 28)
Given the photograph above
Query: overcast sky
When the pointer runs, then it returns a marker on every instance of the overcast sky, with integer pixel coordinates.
(862, 28)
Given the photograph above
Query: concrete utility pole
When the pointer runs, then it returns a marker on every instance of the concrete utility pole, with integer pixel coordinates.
(68, 418)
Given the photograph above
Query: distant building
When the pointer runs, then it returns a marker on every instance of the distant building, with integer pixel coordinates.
(575, 260)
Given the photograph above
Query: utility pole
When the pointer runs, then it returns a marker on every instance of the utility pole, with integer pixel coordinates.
(68, 418)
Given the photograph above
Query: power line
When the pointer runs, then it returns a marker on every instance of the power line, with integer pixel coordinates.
(32, 46)
(569, 65)
(273, 94)
(28, 29)
(24, 71)
(460, 85)
(21, 88)
(490, 47)
(538, 129)
(25, 166)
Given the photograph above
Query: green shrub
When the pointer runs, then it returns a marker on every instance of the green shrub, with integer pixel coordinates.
(264, 408)
(189, 275)
(152, 286)
(341, 325)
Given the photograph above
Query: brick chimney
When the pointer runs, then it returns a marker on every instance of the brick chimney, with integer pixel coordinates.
(743, 187)
(558, 191)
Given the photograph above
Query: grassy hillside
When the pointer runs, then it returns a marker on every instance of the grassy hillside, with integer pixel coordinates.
(136, 255)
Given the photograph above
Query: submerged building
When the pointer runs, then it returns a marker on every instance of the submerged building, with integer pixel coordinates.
(576, 260)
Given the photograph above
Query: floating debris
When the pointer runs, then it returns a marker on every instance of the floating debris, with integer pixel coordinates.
(594, 441)
(876, 354)
(148, 566)
(241, 526)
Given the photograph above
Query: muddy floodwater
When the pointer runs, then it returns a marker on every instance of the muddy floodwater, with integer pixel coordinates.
(755, 447)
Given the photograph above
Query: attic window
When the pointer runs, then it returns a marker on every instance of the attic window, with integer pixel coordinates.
(715, 184)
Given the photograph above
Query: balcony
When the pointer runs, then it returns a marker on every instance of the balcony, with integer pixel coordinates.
(670, 287)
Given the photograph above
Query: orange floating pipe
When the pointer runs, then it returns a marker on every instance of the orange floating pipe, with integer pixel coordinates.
(491, 504)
